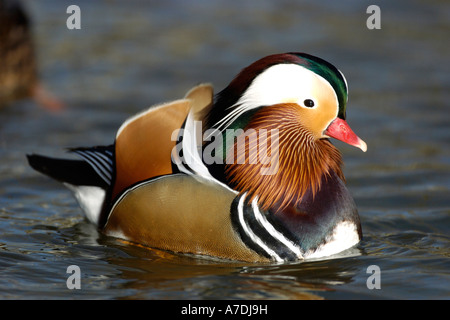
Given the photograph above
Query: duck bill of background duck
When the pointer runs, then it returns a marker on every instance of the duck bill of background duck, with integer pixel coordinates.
(340, 130)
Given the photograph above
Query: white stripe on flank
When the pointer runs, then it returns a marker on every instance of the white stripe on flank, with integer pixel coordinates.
(192, 152)
(253, 236)
(275, 233)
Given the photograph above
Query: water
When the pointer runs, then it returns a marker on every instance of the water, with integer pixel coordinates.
(128, 56)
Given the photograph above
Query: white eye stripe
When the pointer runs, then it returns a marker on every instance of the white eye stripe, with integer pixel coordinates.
(280, 83)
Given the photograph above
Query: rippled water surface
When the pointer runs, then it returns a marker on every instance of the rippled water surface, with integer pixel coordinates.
(129, 55)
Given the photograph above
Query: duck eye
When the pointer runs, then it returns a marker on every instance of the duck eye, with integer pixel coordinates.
(308, 103)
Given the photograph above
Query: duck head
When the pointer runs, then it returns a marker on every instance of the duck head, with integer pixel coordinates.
(298, 101)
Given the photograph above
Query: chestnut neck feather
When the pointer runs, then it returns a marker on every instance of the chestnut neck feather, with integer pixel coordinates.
(302, 159)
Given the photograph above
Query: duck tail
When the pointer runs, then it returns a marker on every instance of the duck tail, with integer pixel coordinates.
(89, 178)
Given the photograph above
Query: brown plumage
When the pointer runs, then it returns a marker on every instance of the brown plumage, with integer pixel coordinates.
(302, 159)
(144, 143)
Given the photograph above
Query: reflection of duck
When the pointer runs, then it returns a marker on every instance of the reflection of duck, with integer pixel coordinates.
(234, 208)
(18, 69)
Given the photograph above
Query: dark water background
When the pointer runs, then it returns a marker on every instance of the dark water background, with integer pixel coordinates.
(129, 55)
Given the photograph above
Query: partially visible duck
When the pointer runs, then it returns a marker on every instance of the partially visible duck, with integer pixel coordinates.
(18, 68)
(248, 174)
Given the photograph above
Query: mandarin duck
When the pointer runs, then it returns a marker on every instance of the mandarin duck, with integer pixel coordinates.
(247, 174)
